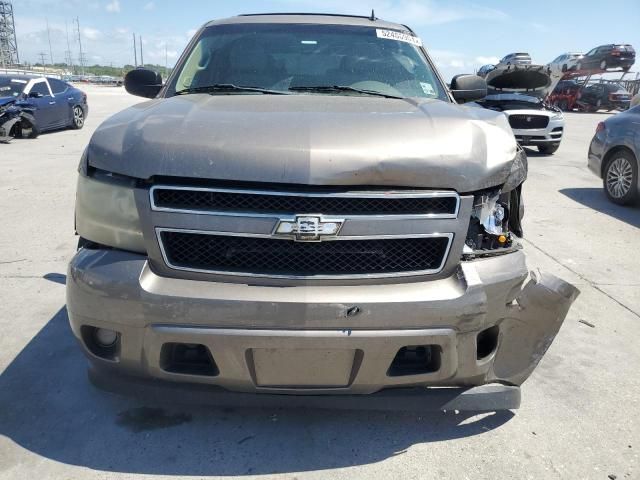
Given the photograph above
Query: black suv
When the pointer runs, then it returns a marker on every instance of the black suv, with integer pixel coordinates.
(608, 56)
(608, 96)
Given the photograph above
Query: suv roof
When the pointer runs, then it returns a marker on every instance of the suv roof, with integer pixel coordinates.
(317, 18)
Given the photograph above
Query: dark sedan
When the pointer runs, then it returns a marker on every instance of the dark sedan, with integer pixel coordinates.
(55, 104)
(614, 153)
(607, 96)
(608, 56)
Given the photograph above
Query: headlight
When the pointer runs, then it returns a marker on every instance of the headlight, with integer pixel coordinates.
(557, 116)
(106, 212)
(494, 219)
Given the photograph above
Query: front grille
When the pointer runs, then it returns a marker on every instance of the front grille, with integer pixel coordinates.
(523, 122)
(274, 257)
(262, 202)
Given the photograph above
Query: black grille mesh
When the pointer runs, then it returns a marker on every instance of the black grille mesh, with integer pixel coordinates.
(528, 121)
(286, 257)
(326, 205)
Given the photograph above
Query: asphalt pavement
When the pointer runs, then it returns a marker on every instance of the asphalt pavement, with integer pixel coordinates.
(580, 415)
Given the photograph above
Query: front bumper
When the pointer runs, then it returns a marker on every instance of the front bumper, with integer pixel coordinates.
(531, 137)
(307, 339)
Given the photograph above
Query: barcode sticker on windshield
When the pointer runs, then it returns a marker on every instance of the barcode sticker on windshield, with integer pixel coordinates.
(398, 36)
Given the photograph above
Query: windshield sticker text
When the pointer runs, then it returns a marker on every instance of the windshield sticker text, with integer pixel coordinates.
(398, 36)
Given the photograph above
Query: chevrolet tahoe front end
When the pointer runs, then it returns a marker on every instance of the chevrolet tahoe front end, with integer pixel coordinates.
(308, 241)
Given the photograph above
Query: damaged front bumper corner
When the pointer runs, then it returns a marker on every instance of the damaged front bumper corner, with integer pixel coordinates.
(486, 327)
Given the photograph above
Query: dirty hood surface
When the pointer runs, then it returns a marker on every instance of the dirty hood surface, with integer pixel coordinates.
(308, 140)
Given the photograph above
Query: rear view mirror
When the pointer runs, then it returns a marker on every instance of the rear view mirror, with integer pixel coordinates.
(143, 83)
(466, 88)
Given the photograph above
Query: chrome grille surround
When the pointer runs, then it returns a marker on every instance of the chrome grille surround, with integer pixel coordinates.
(253, 225)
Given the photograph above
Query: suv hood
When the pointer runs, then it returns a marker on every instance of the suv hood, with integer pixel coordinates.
(532, 80)
(308, 140)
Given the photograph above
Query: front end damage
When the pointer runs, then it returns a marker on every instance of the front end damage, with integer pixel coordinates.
(16, 121)
(187, 289)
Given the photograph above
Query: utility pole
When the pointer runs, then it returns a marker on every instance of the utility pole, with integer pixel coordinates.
(135, 51)
(166, 61)
(42, 55)
(141, 57)
(67, 54)
(49, 38)
(80, 44)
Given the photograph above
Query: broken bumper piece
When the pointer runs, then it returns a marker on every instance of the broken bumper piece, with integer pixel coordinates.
(465, 342)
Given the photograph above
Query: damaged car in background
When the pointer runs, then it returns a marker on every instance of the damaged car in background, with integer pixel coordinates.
(30, 105)
(16, 117)
(304, 214)
(520, 92)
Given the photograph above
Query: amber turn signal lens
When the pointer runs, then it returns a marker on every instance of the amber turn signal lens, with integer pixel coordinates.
(502, 239)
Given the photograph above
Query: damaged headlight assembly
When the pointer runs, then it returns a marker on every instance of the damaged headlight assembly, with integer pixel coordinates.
(106, 211)
(496, 218)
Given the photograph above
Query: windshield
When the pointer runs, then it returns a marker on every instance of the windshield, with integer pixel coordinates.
(294, 58)
(11, 87)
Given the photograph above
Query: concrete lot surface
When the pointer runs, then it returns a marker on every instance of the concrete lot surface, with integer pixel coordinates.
(580, 416)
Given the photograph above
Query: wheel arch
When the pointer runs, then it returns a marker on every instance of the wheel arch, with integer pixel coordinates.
(611, 152)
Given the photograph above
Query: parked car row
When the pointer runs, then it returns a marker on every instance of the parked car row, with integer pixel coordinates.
(569, 95)
(30, 105)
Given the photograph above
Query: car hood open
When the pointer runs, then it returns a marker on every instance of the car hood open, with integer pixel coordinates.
(534, 80)
(308, 140)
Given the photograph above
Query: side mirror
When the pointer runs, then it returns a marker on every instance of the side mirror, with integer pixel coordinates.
(467, 88)
(35, 95)
(143, 83)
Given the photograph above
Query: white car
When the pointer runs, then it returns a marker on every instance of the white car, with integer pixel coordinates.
(565, 62)
(518, 92)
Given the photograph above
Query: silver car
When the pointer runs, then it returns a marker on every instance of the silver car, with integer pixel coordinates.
(519, 58)
(614, 156)
(304, 212)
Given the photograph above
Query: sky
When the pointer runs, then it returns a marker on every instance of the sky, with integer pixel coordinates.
(460, 36)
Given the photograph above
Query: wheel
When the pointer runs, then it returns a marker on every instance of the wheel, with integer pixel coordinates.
(603, 65)
(78, 118)
(620, 178)
(598, 105)
(548, 149)
(27, 127)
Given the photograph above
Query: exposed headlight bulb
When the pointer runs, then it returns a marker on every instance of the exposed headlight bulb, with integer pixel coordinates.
(493, 222)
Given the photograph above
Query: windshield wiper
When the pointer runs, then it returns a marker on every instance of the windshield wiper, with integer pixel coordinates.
(228, 87)
(341, 88)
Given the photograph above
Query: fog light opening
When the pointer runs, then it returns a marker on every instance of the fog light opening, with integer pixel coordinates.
(102, 342)
(487, 342)
(415, 360)
(187, 359)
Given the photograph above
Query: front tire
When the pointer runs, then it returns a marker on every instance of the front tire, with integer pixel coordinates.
(548, 149)
(77, 122)
(620, 178)
(27, 127)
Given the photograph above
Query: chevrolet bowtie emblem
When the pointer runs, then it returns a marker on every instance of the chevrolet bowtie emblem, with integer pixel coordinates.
(308, 228)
